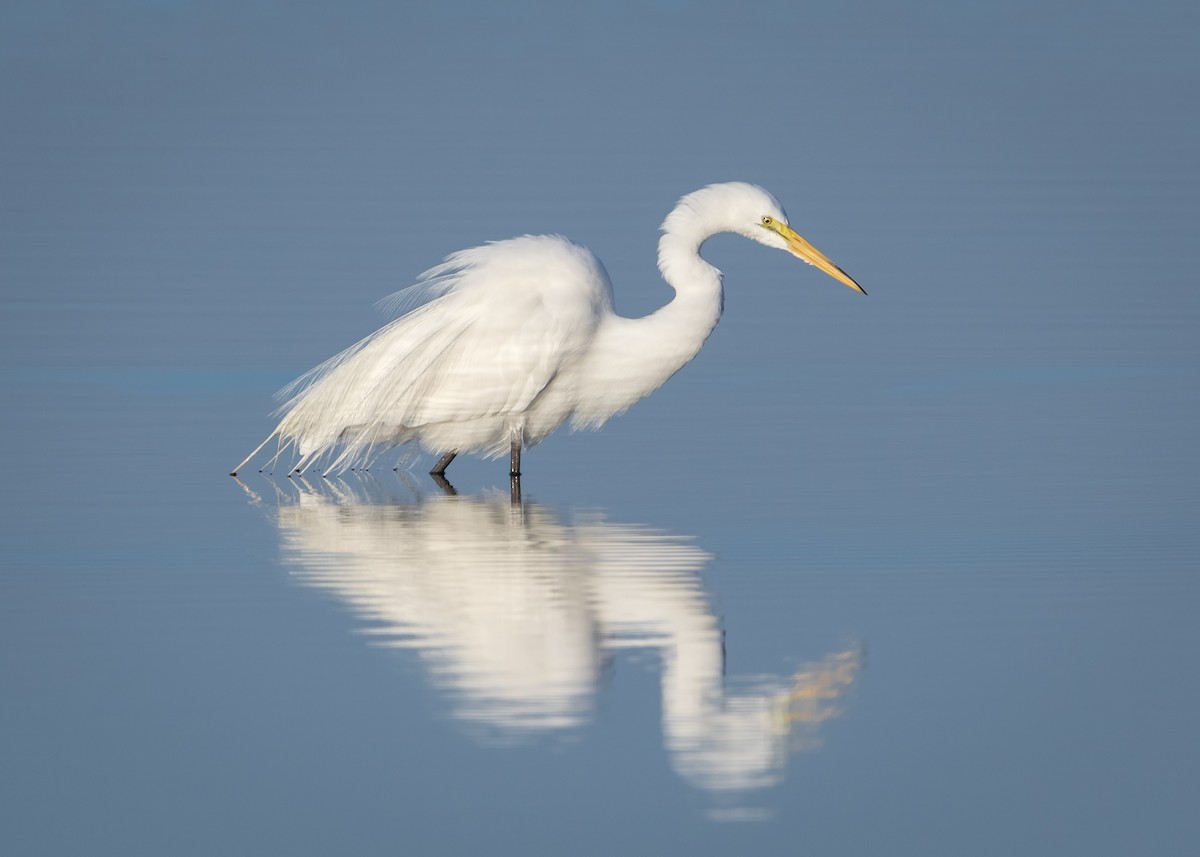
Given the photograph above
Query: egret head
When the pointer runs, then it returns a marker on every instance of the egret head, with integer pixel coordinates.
(751, 211)
(773, 230)
(777, 233)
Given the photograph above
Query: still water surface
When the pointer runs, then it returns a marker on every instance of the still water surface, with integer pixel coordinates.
(842, 654)
(517, 615)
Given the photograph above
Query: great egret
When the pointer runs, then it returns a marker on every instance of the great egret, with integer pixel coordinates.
(517, 337)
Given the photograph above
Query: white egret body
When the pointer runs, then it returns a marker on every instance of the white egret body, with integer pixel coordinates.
(520, 336)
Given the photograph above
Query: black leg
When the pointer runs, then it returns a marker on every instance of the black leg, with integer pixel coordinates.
(444, 484)
(514, 466)
(439, 469)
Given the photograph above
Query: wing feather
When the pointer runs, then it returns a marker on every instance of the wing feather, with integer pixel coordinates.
(499, 322)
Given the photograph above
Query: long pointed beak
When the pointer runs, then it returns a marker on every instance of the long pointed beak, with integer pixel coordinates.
(797, 246)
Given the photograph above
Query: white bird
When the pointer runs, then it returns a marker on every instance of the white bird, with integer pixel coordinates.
(516, 337)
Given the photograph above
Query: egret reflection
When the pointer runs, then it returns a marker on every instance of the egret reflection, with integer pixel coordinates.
(514, 613)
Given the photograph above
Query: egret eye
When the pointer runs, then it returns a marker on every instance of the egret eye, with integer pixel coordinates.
(767, 221)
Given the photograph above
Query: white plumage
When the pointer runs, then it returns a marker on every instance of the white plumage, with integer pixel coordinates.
(516, 337)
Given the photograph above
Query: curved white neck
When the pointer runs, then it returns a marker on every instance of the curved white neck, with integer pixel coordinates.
(635, 356)
(699, 298)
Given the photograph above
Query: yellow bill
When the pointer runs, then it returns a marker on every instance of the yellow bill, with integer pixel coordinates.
(797, 246)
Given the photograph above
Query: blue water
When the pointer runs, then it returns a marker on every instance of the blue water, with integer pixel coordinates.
(914, 573)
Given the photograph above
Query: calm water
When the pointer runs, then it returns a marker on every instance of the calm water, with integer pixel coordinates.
(915, 573)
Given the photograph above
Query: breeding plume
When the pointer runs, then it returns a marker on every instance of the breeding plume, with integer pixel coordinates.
(512, 339)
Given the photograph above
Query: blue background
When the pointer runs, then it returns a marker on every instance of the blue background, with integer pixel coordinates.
(984, 472)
